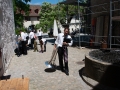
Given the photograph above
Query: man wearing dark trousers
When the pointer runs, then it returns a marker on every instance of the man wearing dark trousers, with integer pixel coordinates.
(23, 42)
(43, 43)
(62, 42)
(31, 36)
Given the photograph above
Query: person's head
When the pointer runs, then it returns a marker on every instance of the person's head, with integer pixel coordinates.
(66, 31)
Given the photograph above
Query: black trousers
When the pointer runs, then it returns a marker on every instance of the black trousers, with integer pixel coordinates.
(39, 37)
(61, 56)
(24, 48)
(32, 43)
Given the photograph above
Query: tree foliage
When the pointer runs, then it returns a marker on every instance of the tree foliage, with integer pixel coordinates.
(20, 7)
(65, 13)
(46, 16)
(59, 12)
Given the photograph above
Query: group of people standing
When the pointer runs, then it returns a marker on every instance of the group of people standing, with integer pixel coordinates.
(62, 41)
(29, 40)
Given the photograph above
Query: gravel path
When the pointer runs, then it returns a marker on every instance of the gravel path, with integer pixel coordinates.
(33, 67)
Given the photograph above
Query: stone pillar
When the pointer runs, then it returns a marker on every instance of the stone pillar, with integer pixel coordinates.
(7, 33)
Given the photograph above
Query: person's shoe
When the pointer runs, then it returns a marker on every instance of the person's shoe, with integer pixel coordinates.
(44, 50)
(41, 51)
(66, 72)
(18, 55)
(62, 70)
(24, 54)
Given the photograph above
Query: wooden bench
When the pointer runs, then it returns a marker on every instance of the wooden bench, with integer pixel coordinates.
(15, 84)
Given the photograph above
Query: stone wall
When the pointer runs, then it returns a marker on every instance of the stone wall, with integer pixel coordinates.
(7, 32)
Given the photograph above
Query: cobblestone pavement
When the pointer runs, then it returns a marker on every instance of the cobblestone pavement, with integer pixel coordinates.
(33, 67)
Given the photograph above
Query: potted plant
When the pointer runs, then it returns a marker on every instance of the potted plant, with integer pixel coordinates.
(103, 44)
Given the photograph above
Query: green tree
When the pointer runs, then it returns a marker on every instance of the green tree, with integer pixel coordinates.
(65, 13)
(37, 26)
(21, 7)
(46, 16)
(59, 12)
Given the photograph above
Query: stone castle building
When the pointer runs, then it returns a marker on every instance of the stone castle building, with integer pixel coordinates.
(7, 34)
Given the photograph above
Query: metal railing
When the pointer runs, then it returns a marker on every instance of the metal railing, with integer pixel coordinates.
(111, 41)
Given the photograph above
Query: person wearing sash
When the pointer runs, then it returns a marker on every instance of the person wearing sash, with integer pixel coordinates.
(63, 40)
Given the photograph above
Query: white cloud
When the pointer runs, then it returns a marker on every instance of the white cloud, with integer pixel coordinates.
(37, 3)
(34, 3)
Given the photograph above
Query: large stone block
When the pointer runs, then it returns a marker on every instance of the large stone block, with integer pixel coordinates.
(7, 32)
(105, 73)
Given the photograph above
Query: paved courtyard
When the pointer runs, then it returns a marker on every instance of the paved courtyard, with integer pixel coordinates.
(33, 67)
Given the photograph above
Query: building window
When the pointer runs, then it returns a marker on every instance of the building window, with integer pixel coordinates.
(38, 18)
(36, 10)
(30, 11)
(27, 18)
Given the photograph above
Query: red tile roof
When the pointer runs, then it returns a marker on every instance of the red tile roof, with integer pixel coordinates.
(34, 10)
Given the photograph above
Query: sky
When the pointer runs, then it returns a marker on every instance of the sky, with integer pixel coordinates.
(39, 2)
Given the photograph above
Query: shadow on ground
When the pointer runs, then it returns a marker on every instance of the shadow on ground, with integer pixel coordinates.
(50, 70)
(110, 85)
(5, 77)
(81, 73)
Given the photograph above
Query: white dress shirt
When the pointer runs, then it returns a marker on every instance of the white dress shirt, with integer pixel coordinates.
(23, 36)
(26, 34)
(60, 38)
(39, 33)
(31, 35)
(43, 40)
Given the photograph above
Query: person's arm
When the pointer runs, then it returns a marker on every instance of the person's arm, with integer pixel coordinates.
(71, 42)
(68, 44)
(56, 42)
(55, 46)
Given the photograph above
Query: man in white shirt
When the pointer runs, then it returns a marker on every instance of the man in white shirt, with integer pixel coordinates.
(62, 49)
(39, 35)
(26, 34)
(43, 43)
(23, 41)
(27, 37)
(31, 36)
